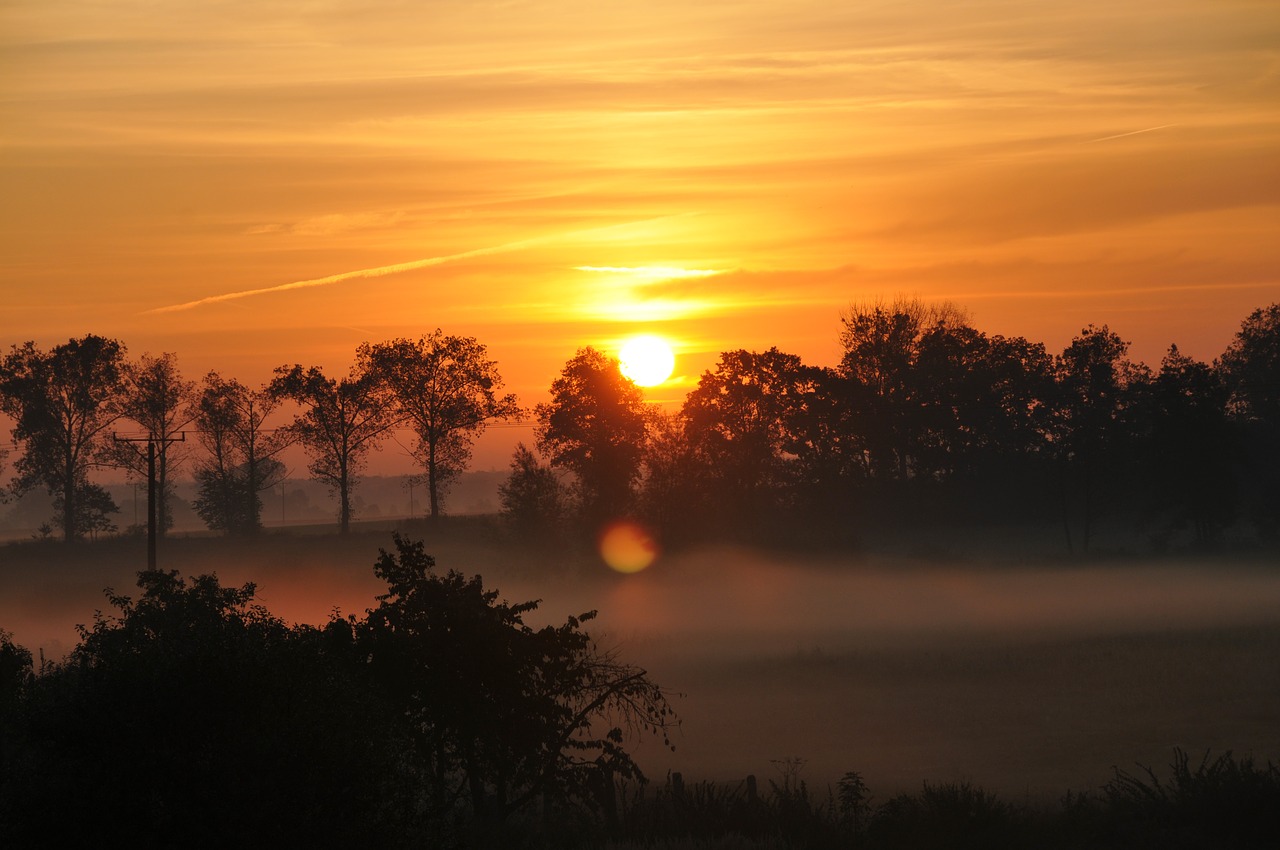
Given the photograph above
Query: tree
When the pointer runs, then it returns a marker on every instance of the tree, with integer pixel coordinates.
(674, 488)
(881, 345)
(64, 402)
(510, 713)
(741, 422)
(594, 426)
(201, 720)
(159, 400)
(341, 422)
(1190, 460)
(1251, 368)
(531, 497)
(447, 388)
(241, 463)
(1097, 390)
(1251, 365)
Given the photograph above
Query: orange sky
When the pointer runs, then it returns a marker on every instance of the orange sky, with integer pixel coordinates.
(1046, 164)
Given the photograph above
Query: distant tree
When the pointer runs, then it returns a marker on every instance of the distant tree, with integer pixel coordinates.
(446, 387)
(241, 460)
(594, 426)
(64, 402)
(881, 345)
(94, 507)
(1251, 365)
(1190, 459)
(674, 486)
(517, 714)
(741, 422)
(340, 423)
(1251, 368)
(531, 496)
(1098, 388)
(157, 398)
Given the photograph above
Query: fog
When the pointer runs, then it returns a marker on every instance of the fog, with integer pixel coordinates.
(1028, 680)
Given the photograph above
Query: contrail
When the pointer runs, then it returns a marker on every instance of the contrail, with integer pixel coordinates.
(1131, 133)
(339, 278)
(380, 271)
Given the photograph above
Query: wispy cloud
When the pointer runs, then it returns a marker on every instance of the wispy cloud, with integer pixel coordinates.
(1132, 133)
(396, 268)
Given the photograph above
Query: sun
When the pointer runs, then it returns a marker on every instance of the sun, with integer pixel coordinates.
(647, 360)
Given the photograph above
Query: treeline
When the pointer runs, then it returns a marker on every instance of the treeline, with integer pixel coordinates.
(70, 402)
(924, 420)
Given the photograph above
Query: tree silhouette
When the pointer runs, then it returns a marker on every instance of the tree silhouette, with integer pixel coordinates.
(516, 714)
(1251, 367)
(447, 388)
(1191, 451)
(741, 422)
(531, 497)
(241, 463)
(594, 426)
(881, 345)
(340, 423)
(201, 720)
(64, 402)
(1097, 387)
(158, 399)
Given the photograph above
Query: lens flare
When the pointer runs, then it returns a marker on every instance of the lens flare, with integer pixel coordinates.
(627, 547)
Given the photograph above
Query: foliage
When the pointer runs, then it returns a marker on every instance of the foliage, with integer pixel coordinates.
(341, 422)
(241, 460)
(1226, 802)
(447, 388)
(953, 814)
(1251, 364)
(594, 426)
(1098, 389)
(515, 714)
(200, 720)
(15, 670)
(741, 422)
(94, 507)
(531, 497)
(157, 398)
(64, 402)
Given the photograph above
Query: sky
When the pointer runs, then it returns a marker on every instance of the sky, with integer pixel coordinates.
(250, 184)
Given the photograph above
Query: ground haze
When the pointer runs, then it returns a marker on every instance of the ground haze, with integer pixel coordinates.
(1028, 679)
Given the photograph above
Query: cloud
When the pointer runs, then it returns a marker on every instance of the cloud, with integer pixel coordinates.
(381, 271)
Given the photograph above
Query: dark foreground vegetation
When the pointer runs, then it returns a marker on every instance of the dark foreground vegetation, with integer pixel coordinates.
(191, 716)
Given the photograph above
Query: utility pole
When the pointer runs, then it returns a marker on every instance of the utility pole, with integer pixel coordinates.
(153, 508)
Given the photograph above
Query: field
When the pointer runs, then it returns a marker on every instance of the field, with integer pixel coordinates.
(1028, 680)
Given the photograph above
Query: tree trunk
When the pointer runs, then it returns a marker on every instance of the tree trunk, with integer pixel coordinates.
(431, 482)
(344, 497)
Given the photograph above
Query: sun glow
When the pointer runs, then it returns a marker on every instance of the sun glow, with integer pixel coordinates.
(647, 360)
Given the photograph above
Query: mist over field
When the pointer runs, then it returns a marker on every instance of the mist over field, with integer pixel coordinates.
(1027, 679)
